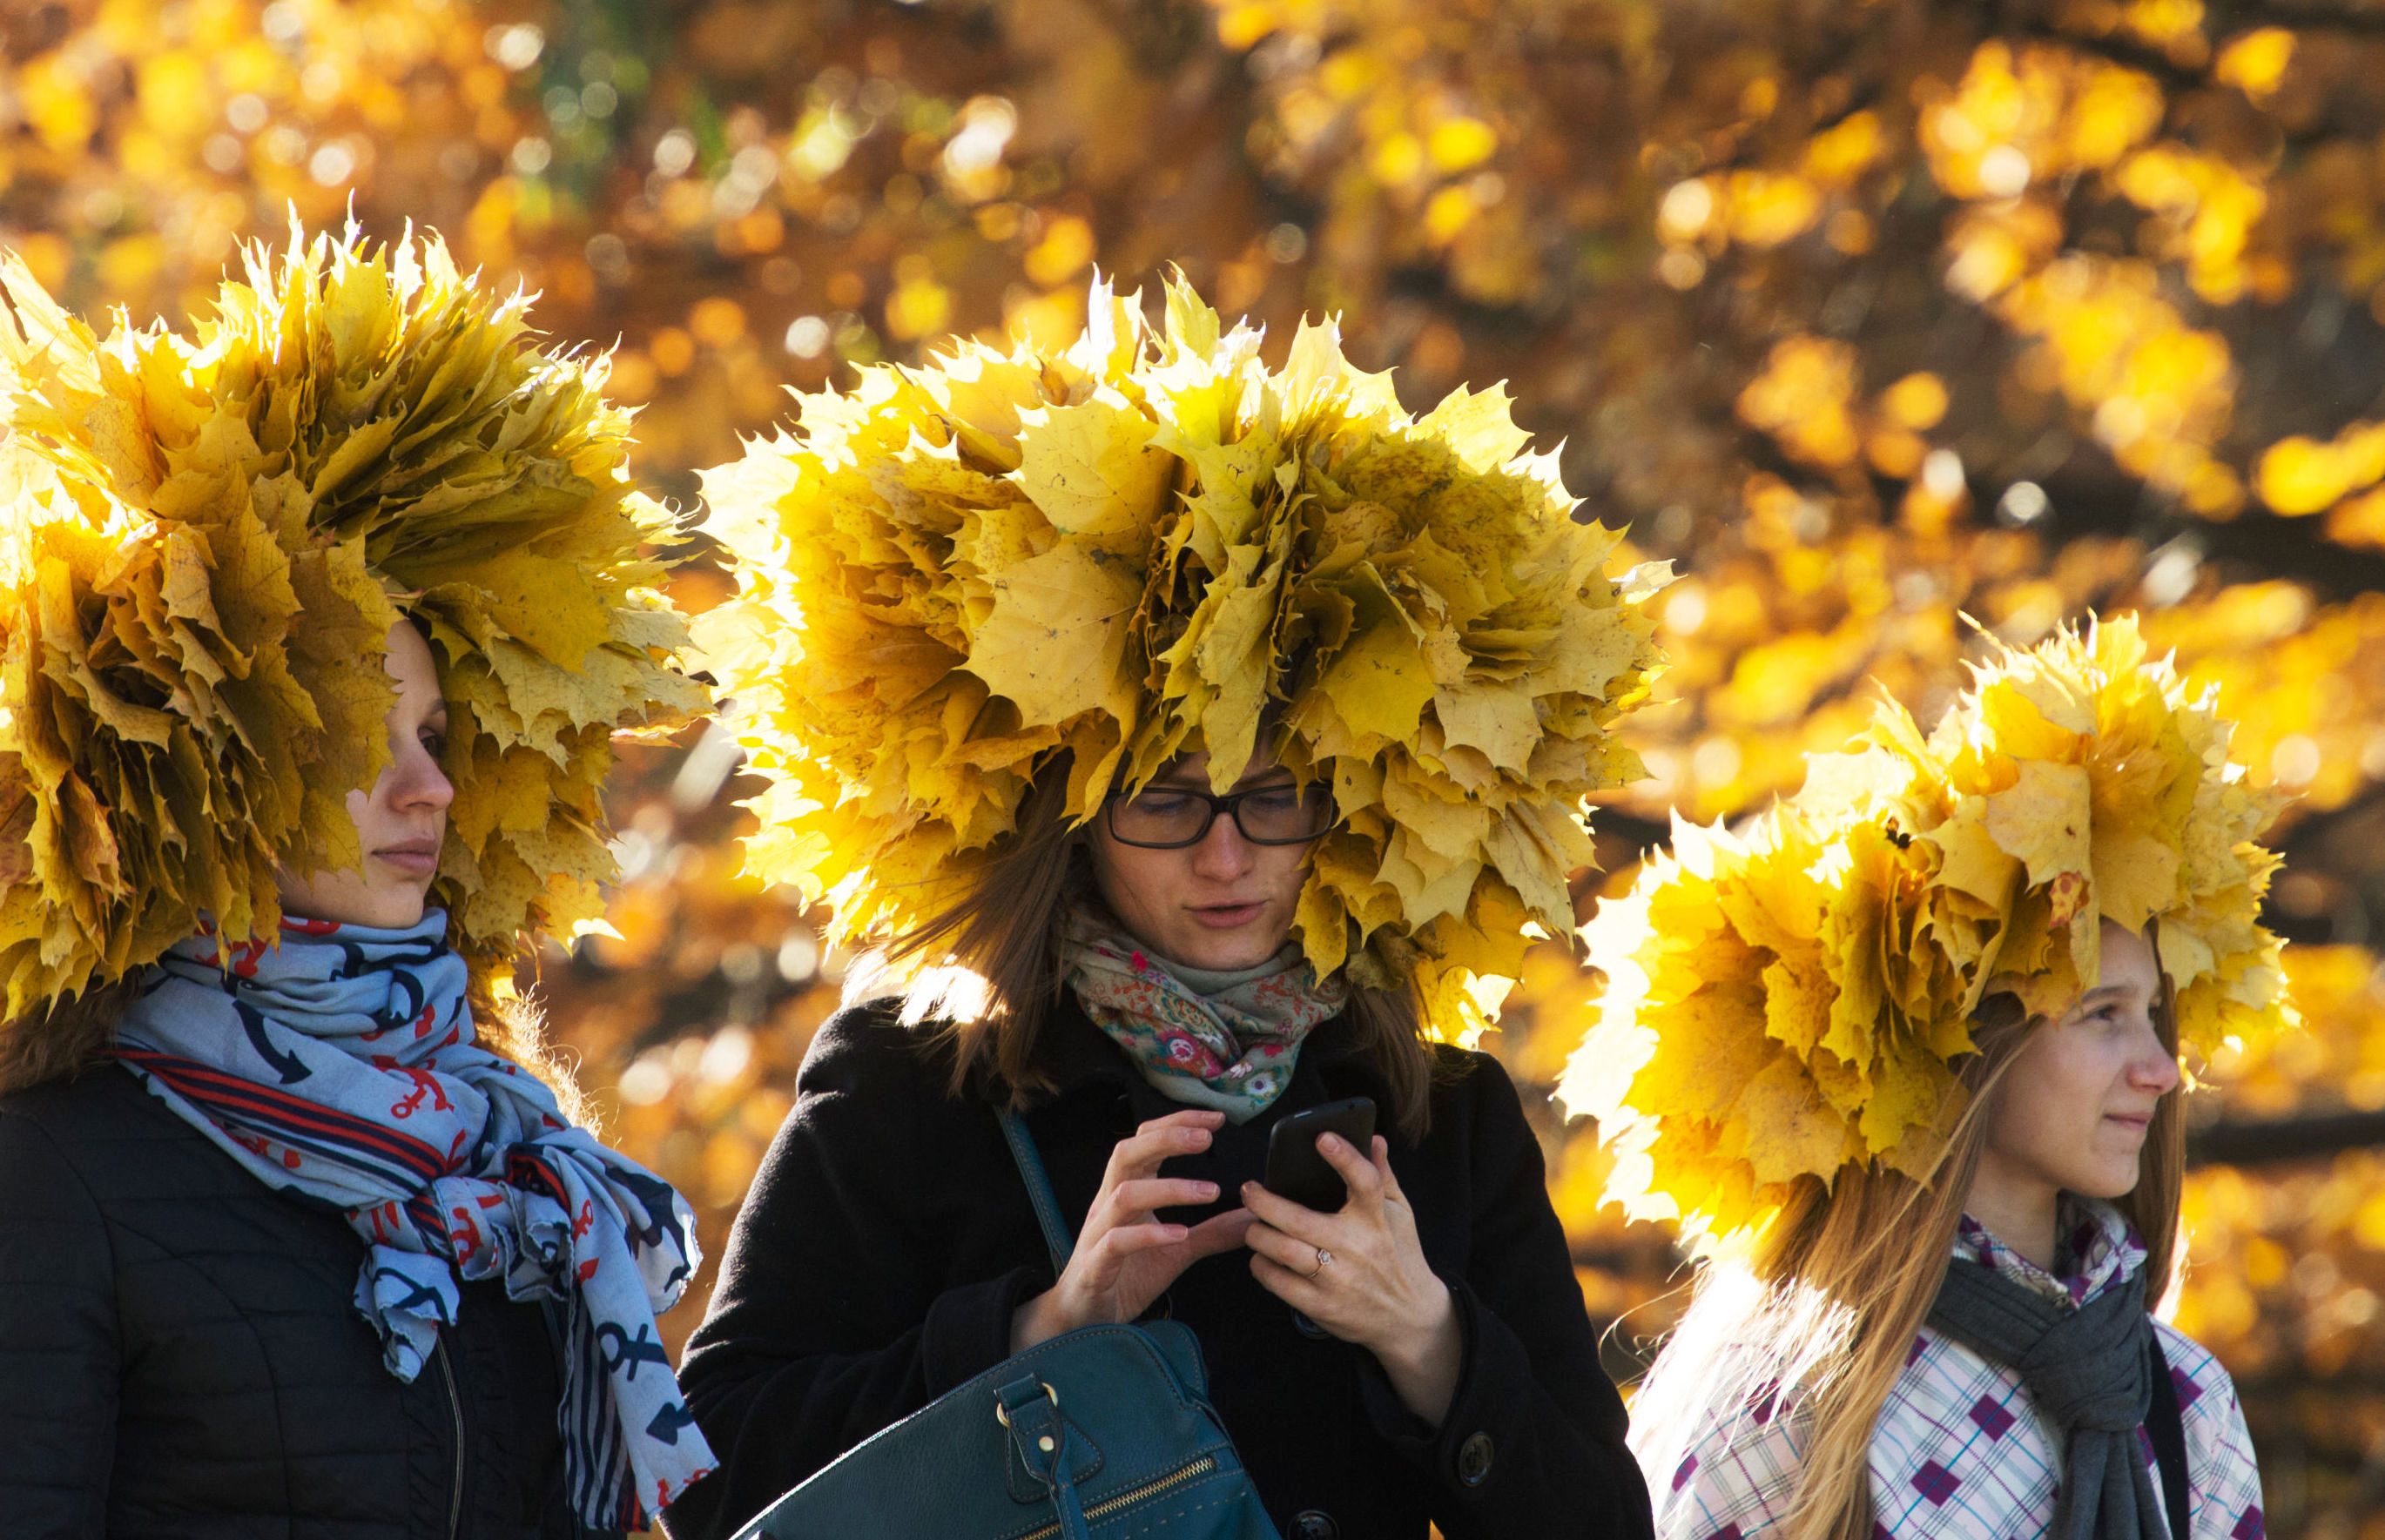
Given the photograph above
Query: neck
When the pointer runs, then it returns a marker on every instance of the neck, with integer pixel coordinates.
(2018, 1209)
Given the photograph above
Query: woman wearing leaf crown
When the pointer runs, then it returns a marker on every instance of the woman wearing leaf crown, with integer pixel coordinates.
(1903, 1059)
(1208, 740)
(314, 632)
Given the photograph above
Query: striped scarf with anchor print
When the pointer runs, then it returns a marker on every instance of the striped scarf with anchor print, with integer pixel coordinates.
(341, 1067)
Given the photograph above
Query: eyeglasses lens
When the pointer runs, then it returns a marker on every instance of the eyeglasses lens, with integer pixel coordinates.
(1285, 815)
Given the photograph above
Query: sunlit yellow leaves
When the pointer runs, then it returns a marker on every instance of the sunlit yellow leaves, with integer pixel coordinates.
(1785, 999)
(2287, 1283)
(1918, 401)
(2255, 62)
(1765, 210)
(349, 433)
(2030, 113)
(1131, 549)
(1802, 398)
(58, 101)
(2161, 393)
(1807, 398)
(1459, 144)
(1995, 245)
(1846, 150)
(919, 307)
(2303, 682)
(2213, 206)
(1067, 246)
(2301, 474)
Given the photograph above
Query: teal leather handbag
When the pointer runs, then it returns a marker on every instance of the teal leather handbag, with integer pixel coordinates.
(1100, 1434)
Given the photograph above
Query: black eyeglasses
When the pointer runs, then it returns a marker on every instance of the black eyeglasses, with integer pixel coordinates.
(1172, 817)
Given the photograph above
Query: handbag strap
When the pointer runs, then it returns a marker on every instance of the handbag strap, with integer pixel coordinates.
(2164, 1426)
(1057, 1238)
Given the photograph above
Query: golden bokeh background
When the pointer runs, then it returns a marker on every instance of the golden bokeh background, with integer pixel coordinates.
(1883, 319)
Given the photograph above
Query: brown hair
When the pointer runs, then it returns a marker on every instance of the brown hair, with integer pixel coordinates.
(61, 1039)
(1004, 936)
(1825, 1306)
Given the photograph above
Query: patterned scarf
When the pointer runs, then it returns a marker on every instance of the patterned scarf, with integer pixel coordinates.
(342, 1067)
(1224, 1040)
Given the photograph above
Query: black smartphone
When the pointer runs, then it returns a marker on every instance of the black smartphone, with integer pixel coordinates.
(1296, 1171)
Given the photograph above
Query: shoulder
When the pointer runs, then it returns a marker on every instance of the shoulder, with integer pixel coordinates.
(2221, 1467)
(1471, 1084)
(1735, 1472)
(869, 1083)
(75, 1155)
(99, 1122)
(2206, 1395)
(866, 1049)
(1478, 1108)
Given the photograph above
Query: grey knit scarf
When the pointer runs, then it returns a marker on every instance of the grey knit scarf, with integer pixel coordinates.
(2089, 1372)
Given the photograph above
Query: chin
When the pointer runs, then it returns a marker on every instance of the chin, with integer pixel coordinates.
(1227, 953)
(2107, 1185)
(371, 911)
(1226, 958)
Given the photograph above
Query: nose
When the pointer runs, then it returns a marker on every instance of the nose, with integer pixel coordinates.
(416, 784)
(1222, 852)
(2153, 1068)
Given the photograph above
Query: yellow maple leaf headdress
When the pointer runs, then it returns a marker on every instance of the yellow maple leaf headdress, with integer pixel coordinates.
(953, 574)
(208, 540)
(1787, 1000)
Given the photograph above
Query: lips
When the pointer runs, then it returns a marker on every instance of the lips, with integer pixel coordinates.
(415, 857)
(1227, 916)
(2135, 1124)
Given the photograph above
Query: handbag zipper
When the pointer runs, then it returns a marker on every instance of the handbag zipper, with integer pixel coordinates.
(1102, 1510)
(455, 1404)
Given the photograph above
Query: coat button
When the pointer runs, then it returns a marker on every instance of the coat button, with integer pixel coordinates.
(1474, 1459)
(1313, 1524)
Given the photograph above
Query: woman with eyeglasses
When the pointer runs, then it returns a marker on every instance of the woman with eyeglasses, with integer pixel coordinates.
(1134, 945)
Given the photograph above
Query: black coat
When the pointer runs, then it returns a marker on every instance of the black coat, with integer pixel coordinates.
(181, 1356)
(887, 1238)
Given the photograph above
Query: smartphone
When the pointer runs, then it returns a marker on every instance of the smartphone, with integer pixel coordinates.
(1296, 1171)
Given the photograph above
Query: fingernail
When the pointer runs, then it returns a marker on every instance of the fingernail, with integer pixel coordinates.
(1249, 1188)
(1207, 1189)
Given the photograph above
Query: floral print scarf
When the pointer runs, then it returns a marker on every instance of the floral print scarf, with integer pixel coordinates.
(1224, 1040)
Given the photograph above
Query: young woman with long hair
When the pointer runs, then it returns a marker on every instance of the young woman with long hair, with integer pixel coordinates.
(1099, 690)
(314, 631)
(1955, 975)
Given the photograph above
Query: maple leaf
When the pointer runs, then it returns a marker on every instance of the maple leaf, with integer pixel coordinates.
(1159, 544)
(217, 533)
(1828, 957)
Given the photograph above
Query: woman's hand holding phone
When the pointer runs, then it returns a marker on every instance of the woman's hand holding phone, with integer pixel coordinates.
(1126, 1257)
(1377, 1290)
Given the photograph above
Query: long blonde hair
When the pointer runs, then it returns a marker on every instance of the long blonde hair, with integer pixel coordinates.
(1823, 1311)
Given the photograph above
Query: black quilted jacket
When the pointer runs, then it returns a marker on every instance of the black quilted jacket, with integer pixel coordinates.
(179, 1356)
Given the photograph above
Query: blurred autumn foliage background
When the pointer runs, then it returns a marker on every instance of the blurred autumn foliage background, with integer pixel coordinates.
(1882, 318)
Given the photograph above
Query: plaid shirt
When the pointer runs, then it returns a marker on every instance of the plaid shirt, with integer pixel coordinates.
(1961, 1452)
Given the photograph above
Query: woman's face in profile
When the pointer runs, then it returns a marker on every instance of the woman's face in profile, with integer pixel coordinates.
(2074, 1109)
(1225, 902)
(402, 820)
